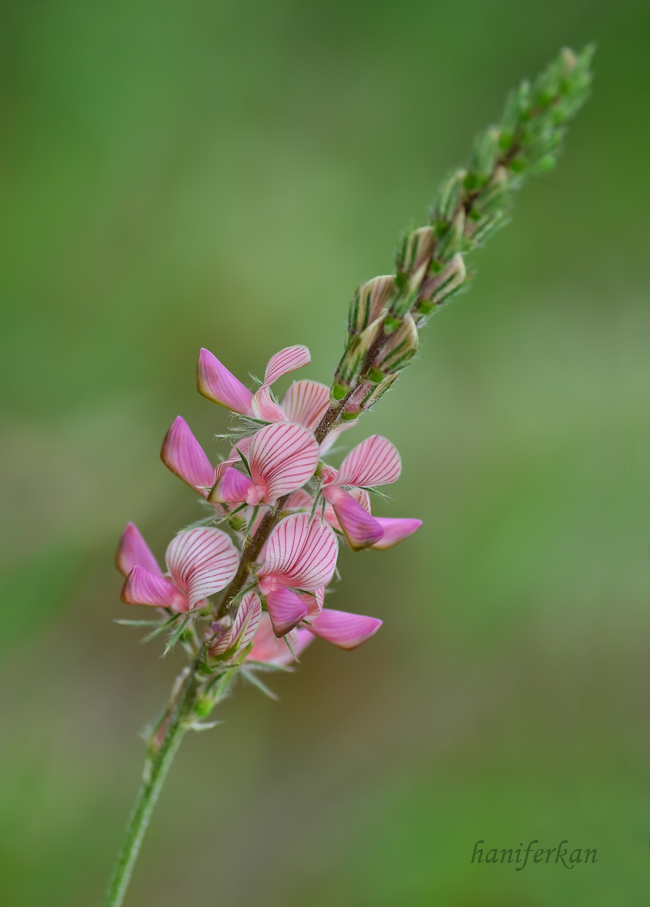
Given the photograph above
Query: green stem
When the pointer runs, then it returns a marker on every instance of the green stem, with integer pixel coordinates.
(160, 757)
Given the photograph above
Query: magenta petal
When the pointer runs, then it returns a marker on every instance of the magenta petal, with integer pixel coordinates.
(359, 528)
(142, 587)
(287, 360)
(282, 457)
(306, 402)
(267, 647)
(202, 562)
(133, 551)
(302, 552)
(216, 383)
(184, 456)
(395, 530)
(347, 631)
(232, 489)
(314, 602)
(286, 609)
(373, 462)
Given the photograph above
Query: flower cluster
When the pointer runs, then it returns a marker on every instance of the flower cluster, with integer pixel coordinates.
(275, 472)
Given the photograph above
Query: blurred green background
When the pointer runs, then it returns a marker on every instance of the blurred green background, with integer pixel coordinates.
(223, 174)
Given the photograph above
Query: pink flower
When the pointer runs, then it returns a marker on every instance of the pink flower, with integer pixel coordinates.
(223, 637)
(305, 402)
(395, 528)
(183, 455)
(373, 462)
(268, 648)
(200, 562)
(281, 457)
(300, 558)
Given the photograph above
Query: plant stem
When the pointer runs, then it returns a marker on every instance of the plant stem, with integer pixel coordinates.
(162, 748)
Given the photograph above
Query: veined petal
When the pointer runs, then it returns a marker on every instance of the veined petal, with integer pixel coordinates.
(133, 551)
(216, 383)
(361, 530)
(347, 631)
(314, 602)
(299, 500)
(142, 587)
(202, 562)
(232, 489)
(267, 647)
(395, 530)
(263, 406)
(244, 626)
(286, 609)
(302, 552)
(184, 456)
(282, 457)
(373, 462)
(306, 402)
(287, 360)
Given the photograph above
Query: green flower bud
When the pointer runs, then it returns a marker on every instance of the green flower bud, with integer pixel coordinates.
(368, 302)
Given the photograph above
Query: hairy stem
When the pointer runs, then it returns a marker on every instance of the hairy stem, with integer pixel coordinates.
(163, 744)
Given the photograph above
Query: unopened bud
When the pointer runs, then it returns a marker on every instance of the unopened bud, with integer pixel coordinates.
(354, 357)
(413, 263)
(401, 347)
(379, 391)
(439, 286)
(452, 240)
(484, 156)
(449, 196)
(369, 302)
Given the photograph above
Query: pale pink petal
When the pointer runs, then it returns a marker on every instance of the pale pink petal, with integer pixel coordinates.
(184, 456)
(282, 457)
(347, 631)
(263, 406)
(302, 552)
(299, 500)
(244, 626)
(395, 530)
(133, 551)
(142, 587)
(286, 609)
(216, 383)
(287, 360)
(232, 489)
(361, 530)
(268, 648)
(202, 562)
(373, 462)
(306, 403)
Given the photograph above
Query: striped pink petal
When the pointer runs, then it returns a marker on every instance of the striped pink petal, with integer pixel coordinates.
(302, 553)
(361, 530)
(184, 456)
(263, 406)
(282, 457)
(373, 462)
(347, 631)
(244, 626)
(232, 489)
(201, 562)
(299, 500)
(133, 551)
(395, 530)
(142, 587)
(285, 608)
(267, 647)
(306, 403)
(216, 383)
(287, 360)
(314, 602)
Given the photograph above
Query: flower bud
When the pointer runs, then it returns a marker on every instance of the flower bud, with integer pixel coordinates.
(439, 286)
(484, 156)
(401, 347)
(355, 354)
(412, 264)
(452, 239)
(368, 302)
(449, 196)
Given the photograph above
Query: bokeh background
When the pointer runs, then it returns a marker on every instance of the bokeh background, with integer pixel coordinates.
(223, 174)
